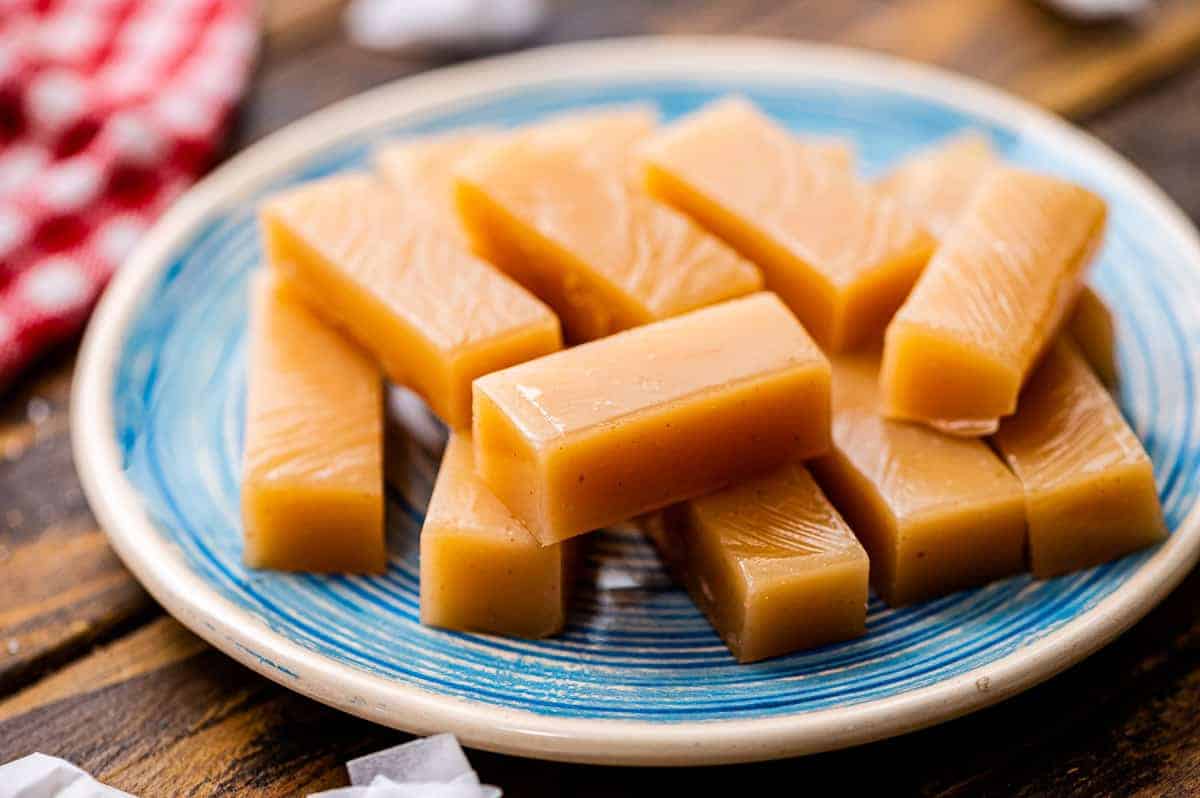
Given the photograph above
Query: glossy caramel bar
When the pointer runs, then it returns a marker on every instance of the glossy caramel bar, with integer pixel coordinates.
(312, 474)
(554, 206)
(937, 183)
(435, 316)
(992, 298)
(1089, 485)
(481, 569)
(770, 562)
(611, 429)
(842, 256)
(935, 513)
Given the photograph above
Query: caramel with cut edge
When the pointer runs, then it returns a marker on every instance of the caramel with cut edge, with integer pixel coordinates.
(935, 513)
(435, 316)
(555, 208)
(481, 569)
(312, 474)
(1094, 329)
(992, 298)
(423, 169)
(770, 562)
(1089, 485)
(655, 415)
(936, 184)
(842, 256)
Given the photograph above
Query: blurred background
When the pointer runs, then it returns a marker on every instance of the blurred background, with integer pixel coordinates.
(109, 109)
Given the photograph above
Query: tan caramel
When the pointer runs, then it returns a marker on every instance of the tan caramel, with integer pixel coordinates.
(935, 513)
(433, 315)
(992, 298)
(627, 424)
(839, 254)
(1089, 485)
(770, 562)
(481, 569)
(936, 184)
(1094, 329)
(554, 207)
(312, 474)
(422, 169)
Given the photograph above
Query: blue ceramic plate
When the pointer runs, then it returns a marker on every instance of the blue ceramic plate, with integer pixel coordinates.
(638, 676)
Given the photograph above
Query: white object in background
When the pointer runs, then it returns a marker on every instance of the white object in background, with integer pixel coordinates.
(402, 24)
(1098, 10)
(428, 767)
(42, 776)
(382, 787)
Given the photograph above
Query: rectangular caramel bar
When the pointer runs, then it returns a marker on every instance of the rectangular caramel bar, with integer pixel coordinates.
(937, 184)
(481, 569)
(422, 169)
(1089, 485)
(1093, 328)
(659, 414)
(312, 474)
(435, 316)
(840, 255)
(770, 562)
(935, 513)
(992, 298)
(554, 207)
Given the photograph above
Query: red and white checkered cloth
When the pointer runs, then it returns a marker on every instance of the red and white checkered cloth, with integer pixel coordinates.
(108, 109)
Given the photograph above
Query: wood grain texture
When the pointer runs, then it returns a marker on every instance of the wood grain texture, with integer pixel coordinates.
(61, 586)
(1068, 68)
(155, 711)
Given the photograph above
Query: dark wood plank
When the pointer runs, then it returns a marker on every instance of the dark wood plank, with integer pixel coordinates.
(61, 586)
(1019, 45)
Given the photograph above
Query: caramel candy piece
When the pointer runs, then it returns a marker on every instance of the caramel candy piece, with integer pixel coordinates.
(655, 415)
(435, 316)
(770, 562)
(556, 209)
(935, 513)
(481, 569)
(312, 474)
(1089, 485)
(422, 169)
(936, 184)
(993, 297)
(1092, 326)
(840, 255)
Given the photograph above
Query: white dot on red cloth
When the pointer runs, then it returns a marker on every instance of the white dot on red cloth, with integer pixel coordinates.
(117, 238)
(58, 284)
(229, 40)
(72, 185)
(153, 35)
(18, 163)
(131, 135)
(69, 35)
(13, 230)
(183, 113)
(125, 80)
(56, 98)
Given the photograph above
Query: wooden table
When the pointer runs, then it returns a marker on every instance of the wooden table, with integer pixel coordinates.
(92, 670)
